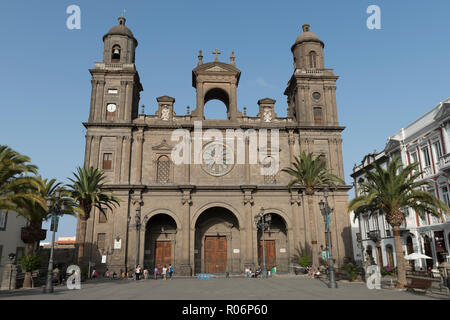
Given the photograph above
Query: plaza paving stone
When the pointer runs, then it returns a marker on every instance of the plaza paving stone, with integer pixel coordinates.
(277, 288)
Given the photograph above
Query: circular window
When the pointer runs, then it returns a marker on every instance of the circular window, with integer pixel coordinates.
(316, 95)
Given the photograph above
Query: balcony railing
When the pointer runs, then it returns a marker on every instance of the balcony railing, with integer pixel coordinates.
(374, 235)
(444, 162)
(427, 171)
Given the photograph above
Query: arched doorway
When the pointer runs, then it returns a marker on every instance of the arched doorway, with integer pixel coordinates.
(275, 245)
(160, 241)
(217, 242)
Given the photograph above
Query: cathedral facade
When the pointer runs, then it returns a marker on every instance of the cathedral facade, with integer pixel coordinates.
(198, 214)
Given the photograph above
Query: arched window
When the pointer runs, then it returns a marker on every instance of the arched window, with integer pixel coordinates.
(313, 59)
(163, 169)
(115, 55)
(318, 117)
(216, 104)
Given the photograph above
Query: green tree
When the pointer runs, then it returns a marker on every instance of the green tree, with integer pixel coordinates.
(310, 172)
(390, 190)
(29, 263)
(87, 192)
(14, 183)
(35, 213)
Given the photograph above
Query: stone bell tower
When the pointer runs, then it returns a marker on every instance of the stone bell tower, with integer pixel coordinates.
(216, 80)
(115, 80)
(311, 91)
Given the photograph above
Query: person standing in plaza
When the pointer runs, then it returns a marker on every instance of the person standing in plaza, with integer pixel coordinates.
(170, 271)
(164, 271)
(138, 272)
(155, 272)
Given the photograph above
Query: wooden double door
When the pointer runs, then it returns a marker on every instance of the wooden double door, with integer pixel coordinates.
(215, 254)
(270, 254)
(163, 254)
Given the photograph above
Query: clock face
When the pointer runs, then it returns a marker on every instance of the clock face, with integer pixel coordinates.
(111, 107)
(218, 159)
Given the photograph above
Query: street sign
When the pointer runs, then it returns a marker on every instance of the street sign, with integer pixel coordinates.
(324, 255)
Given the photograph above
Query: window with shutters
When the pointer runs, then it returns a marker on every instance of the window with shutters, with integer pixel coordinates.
(318, 117)
(107, 161)
(163, 169)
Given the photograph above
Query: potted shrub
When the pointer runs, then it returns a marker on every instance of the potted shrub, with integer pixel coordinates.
(29, 263)
(352, 270)
(304, 262)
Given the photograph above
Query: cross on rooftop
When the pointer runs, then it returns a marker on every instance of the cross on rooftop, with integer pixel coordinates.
(217, 52)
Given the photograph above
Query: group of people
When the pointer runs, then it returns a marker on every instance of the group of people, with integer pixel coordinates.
(146, 274)
(250, 274)
(138, 274)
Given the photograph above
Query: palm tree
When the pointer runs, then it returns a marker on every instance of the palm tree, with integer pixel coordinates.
(310, 171)
(390, 190)
(87, 192)
(14, 184)
(35, 214)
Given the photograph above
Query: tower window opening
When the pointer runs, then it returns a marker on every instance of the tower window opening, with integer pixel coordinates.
(313, 59)
(115, 57)
(318, 117)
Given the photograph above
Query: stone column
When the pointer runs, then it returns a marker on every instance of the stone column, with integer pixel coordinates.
(248, 204)
(95, 152)
(126, 158)
(247, 160)
(297, 221)
(99, 100)
(93, 96)
(291, 142)
(186, 201)
(118, 164)
(128, 100)
(140, 139)
(87, 152)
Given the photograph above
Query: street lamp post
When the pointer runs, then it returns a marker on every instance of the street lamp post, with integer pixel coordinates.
(56, 209)
(262, 222)
(326, 211)
(138, 228)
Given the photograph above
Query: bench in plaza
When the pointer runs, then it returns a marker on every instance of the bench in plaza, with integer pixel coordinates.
(418, 283)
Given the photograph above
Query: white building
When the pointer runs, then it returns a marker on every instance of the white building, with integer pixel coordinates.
(426, 141)
(11, 226)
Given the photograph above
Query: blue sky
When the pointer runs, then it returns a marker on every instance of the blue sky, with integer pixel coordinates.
(388, 77)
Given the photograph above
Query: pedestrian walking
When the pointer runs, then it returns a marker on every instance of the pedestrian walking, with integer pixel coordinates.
(138, 272)
(170, 271)
(107, 273)
(145, 274)
(155, 272)
(94, 274)
(247, 272)
(164, 271)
